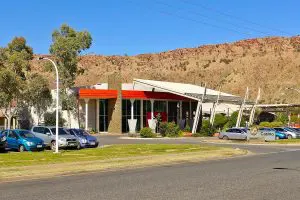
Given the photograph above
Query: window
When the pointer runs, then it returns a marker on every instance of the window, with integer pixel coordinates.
(38, 129)
(173, 111)
(46, 130)
(12, 134)
(4, 133)
(26, 134)
(230, 130)
(126, 114)
(61, 131)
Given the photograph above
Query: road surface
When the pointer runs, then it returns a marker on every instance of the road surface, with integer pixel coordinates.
(271, 174)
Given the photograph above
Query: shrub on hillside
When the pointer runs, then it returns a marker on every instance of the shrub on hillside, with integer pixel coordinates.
(147, 133)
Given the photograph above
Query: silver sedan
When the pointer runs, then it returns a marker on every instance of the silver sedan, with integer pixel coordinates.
(234, 134)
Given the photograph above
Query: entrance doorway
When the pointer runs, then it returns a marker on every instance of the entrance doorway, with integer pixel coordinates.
(103, 115)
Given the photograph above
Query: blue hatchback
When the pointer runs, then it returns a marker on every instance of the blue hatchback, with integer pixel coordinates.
(23, 140)
(85, 139)
(278, 134)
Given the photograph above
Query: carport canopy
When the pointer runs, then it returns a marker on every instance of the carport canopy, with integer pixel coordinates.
(195, 92)
(190, 91)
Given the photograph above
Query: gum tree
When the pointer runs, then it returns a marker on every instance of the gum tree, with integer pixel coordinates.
(18, 87)
(14, 68)
(38, 94)
(66, 48)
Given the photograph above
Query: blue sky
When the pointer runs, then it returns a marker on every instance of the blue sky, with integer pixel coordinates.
(132, 27)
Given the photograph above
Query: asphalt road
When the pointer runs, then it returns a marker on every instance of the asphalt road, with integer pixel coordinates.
(113, 139)
(273, 174)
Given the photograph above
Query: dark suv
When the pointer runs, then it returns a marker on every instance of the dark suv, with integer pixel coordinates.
(3, 142)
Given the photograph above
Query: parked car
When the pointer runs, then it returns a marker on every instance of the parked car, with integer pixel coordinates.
(234, 134)
(84, 138)
(23, 140)
(278, 134)
(290, 133)
(295, 129)
(3, 142)
(47, 133)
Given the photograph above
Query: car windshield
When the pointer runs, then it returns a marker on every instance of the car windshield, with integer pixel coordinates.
(81, 132)
(290, 129)
(61, 131)
(26, 134)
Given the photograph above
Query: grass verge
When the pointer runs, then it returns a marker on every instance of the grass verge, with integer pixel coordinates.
(291, 141)
(46, 164)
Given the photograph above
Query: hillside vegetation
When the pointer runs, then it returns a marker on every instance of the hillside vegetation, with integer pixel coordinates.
(272, 64)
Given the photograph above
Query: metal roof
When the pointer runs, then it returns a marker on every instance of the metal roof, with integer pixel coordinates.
(191, 91)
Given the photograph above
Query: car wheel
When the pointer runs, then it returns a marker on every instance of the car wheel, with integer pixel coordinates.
(225, 137)
(3, 150)
(21, 148)
(96, 146)
(277, 138)
(53, 145)
(289, 137)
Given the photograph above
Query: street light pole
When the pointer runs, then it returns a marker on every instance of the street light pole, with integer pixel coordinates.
(57, 100)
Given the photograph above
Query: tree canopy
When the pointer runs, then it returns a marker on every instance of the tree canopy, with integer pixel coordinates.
(17, 84)
(67, 45)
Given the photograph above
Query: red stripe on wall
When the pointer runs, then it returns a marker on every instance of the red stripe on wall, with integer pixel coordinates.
(97, 94)
(127, 94)
(133, 94)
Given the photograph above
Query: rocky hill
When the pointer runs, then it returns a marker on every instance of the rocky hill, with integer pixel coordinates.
(272, 64)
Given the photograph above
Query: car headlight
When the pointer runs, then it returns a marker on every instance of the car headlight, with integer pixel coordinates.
(62, 139)
(30, 143)
(3, 138)
(83, 140)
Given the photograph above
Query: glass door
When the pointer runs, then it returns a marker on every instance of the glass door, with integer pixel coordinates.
(103, 115)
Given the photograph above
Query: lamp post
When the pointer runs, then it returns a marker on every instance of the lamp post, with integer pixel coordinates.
(57, 100)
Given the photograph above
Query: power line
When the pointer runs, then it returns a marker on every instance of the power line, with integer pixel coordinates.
(207, 17)
(204, 23)
(194, 20)
(234, 17)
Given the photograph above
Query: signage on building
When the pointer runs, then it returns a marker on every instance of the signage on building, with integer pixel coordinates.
(268, 135)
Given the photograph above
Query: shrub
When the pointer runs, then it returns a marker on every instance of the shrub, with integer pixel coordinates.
(264, 124)
(232, 120)
(163, 128)
(173, 130)
(270, 124)
(147, 133)
(206, 129)
(220, 121)
(170, 129)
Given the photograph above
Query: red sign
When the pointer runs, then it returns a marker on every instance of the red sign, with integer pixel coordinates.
(163, 116)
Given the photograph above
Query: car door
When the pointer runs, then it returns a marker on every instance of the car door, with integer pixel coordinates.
(12, 140)
(47, 135)
(235, 133)
(230, 133)
(240, 134)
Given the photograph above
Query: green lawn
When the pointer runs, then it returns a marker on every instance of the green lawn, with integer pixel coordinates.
(291, 141)
(13, 159)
